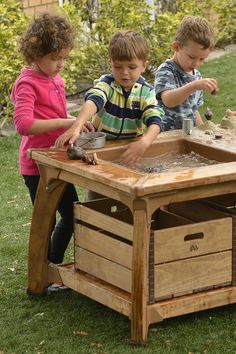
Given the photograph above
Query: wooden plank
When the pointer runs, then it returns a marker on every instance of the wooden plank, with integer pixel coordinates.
(102, 245)
(166, 219)
(103, 222)
(204, 178)
(227, 200)
(209, 151)
(104, 205)
(104, 174)
(227, 204)
(191, 303)
(193, 240)
(124, 179)
(196, 210)
(44, 212)
(193, 273)
(110, 207)
(139, 324)
(96, 289)
(104, 269)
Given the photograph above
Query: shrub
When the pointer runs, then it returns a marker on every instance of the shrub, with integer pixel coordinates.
(12, 23)
(226, 21)
(163, 32)
(89, 58)
(117, 15)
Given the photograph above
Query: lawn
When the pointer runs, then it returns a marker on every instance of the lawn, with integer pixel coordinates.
(69, 323)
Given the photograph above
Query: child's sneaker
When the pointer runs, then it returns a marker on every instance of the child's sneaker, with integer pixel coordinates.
(54, 287)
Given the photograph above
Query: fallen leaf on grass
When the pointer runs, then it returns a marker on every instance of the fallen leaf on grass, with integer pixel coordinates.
(98, 345)
(80, 333)
(40, 314)
(153, 329)
(14, 267)
(27, 224)
(11, 201)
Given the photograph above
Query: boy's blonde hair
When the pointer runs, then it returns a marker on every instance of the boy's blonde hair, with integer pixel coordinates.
(198, 30)
(128, 45)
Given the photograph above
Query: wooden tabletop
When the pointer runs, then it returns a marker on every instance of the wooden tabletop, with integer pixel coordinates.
(139, 183)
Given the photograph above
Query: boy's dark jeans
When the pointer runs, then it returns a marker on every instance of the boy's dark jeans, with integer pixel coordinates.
(62, 231)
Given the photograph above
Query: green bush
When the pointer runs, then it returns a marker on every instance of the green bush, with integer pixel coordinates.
(12, 23)
(93, 40)
(77, 59)
(117, 15)
(163, 32)
(226, 21)
(89, 58)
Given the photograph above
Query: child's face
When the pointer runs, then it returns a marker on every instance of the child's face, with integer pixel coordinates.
(126, 73)
(189, 56)
(51, 64)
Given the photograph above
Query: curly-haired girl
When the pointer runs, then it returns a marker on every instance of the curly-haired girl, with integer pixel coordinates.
(40, 114)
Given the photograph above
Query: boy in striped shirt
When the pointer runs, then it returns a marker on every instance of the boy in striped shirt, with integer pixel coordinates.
(122, 102)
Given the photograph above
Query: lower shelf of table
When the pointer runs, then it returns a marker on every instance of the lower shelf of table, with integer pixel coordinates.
(121, 301)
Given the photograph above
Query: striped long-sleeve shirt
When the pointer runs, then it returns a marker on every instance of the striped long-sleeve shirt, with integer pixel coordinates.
(122, 114)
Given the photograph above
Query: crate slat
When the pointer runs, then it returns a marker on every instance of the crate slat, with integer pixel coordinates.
(192, 273)
(104, 269)
(171, 244)
(102, 221)
(103, 245)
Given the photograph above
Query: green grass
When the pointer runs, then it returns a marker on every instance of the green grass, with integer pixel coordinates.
(47, 324)
(224, 71)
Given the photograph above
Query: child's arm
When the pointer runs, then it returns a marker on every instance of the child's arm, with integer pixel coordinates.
(174, 97)
(198, 119)
(135, 150)
(88, 109)
(40, 126)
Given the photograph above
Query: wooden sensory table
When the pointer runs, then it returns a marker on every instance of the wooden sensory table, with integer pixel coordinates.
(149, 272)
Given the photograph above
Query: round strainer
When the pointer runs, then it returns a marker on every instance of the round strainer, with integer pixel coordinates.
(92, 140)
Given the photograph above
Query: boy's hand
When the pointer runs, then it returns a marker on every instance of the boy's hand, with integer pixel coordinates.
(207, 84)
(88, 127)
(134, 152)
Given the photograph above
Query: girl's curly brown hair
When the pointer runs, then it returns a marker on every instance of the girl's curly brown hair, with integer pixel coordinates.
(48, 33)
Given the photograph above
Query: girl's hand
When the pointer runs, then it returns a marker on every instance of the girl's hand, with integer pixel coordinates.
(69, 136)
(87, 110)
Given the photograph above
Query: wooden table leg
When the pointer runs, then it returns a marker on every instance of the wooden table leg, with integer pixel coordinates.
(45, 207)
(139, 325)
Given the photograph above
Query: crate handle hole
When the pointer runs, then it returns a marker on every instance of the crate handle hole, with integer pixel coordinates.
(196, 236)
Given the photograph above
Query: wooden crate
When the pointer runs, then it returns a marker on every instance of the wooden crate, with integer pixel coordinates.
(227, 204)
(187, 255)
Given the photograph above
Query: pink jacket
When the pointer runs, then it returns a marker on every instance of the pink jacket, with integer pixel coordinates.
(36, 96)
